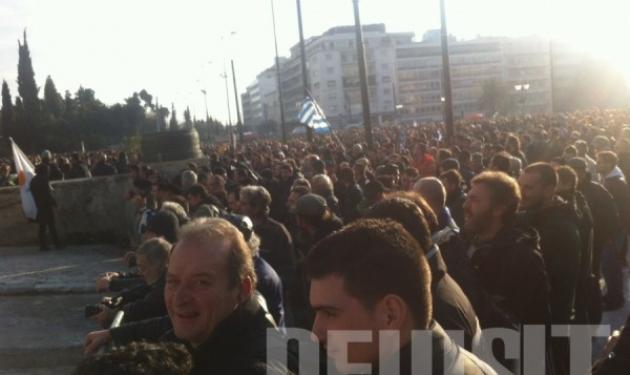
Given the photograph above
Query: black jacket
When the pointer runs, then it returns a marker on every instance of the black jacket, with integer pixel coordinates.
(270, 286)
(558, 227)
(513, 282)
(276, 247)
(618, 188)
(451, 307)
(238, 345)
(42, 195)
(604, 211)
(144, 302)
(349, 199)
(455, 203)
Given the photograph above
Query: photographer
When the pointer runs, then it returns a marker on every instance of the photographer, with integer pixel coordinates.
(144, 301)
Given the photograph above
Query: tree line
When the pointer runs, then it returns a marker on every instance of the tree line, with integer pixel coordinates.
(61, 123)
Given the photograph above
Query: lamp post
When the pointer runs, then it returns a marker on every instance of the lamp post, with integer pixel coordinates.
(227, 99)
(522, 88)
(309, 131)
(446, 78)
(239, 124)
(283, 127)
(365, 98)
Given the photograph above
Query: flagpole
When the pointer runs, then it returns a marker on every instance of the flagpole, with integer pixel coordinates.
(365, 99)
(309, 131)
(239, 124)
(280, 99)
(446, 78)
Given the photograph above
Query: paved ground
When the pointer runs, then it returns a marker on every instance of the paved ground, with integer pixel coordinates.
(42, 296)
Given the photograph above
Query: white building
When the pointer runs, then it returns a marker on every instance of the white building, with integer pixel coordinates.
(407, 74)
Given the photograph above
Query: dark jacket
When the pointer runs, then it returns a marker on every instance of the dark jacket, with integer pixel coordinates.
(558, 227)
(451, 307)
(455, 203)
(144, 302)
(270, 286)
(103, 169)
(618, 188)
(445, 358)
(238, 345)
(349, 199)
(604, 211)
(42, 195)
(561, 247)
(79, 170)
(514, 287)
(277, 248)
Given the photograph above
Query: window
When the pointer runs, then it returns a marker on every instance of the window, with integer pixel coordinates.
(386, 79)
(387, 91)
(328, 56)
(331, 84)
(316, 85)
(330, 70)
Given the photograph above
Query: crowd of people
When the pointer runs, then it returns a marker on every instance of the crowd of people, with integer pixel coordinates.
(512, 222)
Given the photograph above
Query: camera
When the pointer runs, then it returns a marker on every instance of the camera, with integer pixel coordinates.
(91, 310)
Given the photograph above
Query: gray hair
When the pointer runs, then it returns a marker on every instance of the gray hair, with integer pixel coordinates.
(157, 250)
(322, 184)
(189, 178)
(257, 196)
(177, 210)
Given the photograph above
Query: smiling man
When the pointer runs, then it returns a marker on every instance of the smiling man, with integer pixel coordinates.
(368, 278)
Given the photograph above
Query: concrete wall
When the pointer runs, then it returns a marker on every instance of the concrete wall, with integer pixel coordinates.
(91, 210)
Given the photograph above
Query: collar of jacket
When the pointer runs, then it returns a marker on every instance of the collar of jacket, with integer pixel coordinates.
(616, 173)
(444, 354)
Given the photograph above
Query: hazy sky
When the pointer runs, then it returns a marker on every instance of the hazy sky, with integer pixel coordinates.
(173, 48)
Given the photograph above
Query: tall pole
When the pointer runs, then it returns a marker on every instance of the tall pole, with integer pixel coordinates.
(365, 98)
(239, 124)
(227, 98)
(551, 75)
(275, 42)
(309, 131)
(446, 78)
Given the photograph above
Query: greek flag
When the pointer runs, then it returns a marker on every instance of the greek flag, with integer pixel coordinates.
(312, 115)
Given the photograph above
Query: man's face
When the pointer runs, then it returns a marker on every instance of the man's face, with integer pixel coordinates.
(193, 200)
(198, 295)
(603, 167)
(233, 203)
(285, 174)
(533, 191)
(478, 209)
(150, 271)
(336, 310)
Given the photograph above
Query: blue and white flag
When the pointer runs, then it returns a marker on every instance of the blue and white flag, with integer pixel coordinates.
(312, 115)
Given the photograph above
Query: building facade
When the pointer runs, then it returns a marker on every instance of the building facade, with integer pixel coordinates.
(405, 76)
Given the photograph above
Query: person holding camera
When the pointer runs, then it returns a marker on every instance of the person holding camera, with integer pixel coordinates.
(144, 301)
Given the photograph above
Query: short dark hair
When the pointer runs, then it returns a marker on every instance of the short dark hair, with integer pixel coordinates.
(198, 190)
(376, 258)
(453, 177)
(501, 162)
(419, 201)
(608, 157)
(504, 190)
(548, 175)
(408, 214)
(567, 176)
(139, 358)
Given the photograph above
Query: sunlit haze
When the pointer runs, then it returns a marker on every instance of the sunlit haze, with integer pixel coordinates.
(174, 49)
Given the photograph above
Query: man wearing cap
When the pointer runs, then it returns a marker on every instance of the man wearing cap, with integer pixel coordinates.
(54, 173)
(315, 220)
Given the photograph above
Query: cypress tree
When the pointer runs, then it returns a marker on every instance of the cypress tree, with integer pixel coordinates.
(7, 111)
(53, 102)
(27, 88)
(172, 124)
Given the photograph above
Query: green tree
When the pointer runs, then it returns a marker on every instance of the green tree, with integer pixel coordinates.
(187, 119)
(28, 90)
(53, 102)
(172, 124)
(146, 98)
(7, 111)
